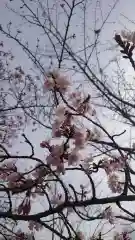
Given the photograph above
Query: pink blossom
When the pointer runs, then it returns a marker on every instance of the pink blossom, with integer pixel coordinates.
(76, 98)
(60, 111)
(86, 162)
(84, 108)
(14, 184)
(114, 164)
(57, 150)
(44, 144)
(39, 171)
(49, 83)
(57, 80)
(11, 165)
(14, 176)
(108, 214)
(74, 157)
(68, 118)
(80, 136)
(21, 235)
(3, 176)
(55, 156)
(35, 225)
(81, 103)
(53, 160)
(56, 131)
(62, 83)
(60, 168)
(114, 184)
(109, 165)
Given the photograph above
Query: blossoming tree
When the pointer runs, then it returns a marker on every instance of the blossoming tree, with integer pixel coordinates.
(79, 145)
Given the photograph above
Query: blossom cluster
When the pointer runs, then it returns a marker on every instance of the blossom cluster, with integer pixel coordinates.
(74, 137)
(8, 172)
(56, 81)
(35, 225)
(108, 214)
(111, 167)
(64, 126)
(20, 235)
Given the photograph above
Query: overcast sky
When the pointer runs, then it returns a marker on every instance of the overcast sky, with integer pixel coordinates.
(116, 22)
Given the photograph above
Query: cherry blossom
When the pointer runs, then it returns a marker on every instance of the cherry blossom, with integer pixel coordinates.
(35, 225)
(20, 235)
(44, 144)
(80, 136)
(76, 98)
(61, 168)
(86, 163)
(39, 171)
(54, 158)
(74, 157)
(81, 103)
(57, 80)
(63, 126)
(11, 165)
(108, 214)
(49, 83)
(114, 184)
(14, 176)
(8, 172)
(60, 111)
(73, 137)
(114, 164)
(56, 130)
